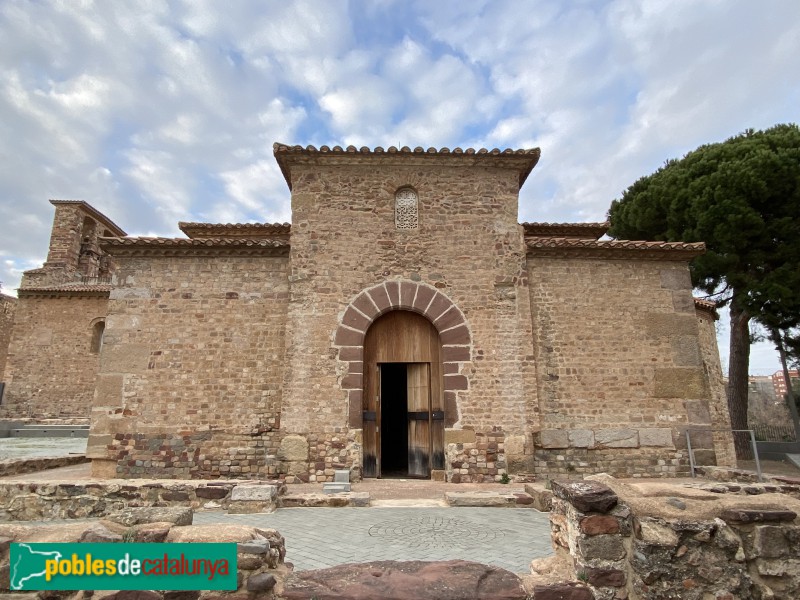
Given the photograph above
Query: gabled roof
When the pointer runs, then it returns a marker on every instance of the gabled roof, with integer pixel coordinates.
(96, 214)
(522, 161)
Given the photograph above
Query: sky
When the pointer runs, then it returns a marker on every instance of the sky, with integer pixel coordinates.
(155, 111)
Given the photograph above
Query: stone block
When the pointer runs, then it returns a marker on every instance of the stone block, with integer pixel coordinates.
(770, 541)
(698, 412)
(682, 302)
(108, 389)
(686, 351)
(177, 515)
(254, 493)
(97, 445)
(125, 358)
(655, 533)
(599, 524)
(680, 382)
(659, 437)
(668, 325)
(617, 438)
(553, 438)
(581, 438)
(459, 436)
(676, 279)
(601, 547)
(586, 496)
(293, 448)
(744, 515)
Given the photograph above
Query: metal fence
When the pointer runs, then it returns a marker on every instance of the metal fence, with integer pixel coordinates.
(774, 433)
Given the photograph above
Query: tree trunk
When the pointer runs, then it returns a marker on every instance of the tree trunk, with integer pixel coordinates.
(738, 367)
(789, 396)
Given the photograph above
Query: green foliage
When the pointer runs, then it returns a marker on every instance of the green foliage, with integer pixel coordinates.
(742, 198)
(504, 478)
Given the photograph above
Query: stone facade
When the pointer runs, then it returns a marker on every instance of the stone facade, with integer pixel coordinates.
(54, 350)
(243, 350)
(7, 306)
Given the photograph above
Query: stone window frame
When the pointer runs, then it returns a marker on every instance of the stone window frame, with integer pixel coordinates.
(406, 215)
(98, 332)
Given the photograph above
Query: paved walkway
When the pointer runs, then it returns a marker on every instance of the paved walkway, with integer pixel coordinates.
(317, 538)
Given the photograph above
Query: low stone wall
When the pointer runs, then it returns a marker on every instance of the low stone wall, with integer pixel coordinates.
(260, 559)
(27, 501)
(21, 466)
(681, 542)
(481, 459)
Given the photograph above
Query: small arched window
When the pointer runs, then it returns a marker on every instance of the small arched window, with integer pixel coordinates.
(406, 214)
(98, 329)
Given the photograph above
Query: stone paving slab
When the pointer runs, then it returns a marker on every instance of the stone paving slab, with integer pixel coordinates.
(318, 538)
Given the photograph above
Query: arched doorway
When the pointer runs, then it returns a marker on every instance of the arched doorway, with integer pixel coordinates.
(403, 409)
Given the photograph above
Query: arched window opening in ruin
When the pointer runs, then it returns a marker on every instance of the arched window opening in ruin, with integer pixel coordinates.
(406, 212)
(98, 329)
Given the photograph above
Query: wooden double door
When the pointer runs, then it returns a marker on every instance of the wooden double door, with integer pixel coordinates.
(403, 414)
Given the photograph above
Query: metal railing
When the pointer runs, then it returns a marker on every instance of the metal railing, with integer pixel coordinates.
(752, 444)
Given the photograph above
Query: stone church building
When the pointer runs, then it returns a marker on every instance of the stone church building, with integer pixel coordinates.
(404, 324)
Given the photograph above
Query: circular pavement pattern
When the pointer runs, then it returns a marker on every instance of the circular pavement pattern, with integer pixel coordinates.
(434, 532)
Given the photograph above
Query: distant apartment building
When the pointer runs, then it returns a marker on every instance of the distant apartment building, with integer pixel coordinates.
(779, 382)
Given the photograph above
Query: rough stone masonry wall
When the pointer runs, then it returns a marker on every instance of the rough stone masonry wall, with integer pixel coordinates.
(191, 368)
(468, 246)
(51, 369)
(7, 306)
(621, 371)
(657, 548)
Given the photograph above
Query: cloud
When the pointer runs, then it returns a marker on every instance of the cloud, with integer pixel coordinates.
(159, 112)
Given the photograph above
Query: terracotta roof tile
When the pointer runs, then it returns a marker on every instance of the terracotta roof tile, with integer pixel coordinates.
(205, 246)
(613, 249)
(65, 288)
(224, 230)
(524, 160)
(566, 230)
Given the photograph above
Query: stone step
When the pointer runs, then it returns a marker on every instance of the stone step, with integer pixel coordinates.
(360, 499)
(51, 431)
(512, 498)
(341, 476)
(335, 488)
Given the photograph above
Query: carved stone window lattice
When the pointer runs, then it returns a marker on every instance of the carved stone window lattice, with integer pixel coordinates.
(406, 214)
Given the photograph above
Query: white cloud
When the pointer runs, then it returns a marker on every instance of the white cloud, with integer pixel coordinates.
(156, 112)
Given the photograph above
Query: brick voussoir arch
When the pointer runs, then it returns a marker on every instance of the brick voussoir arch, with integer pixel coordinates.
(420, 298)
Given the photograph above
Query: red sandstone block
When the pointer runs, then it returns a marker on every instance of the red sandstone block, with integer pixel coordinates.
(348, 337)
(424, 296)
(439, 304)
(457, 335)
(393, 288)
(356, 366)
(381, 298)
(451, 368)
(352, 381)
(455, 353)
(407, 292)
(455, 382)
(354, 319)
(449, 318)
(350, 353)
(365, 305)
